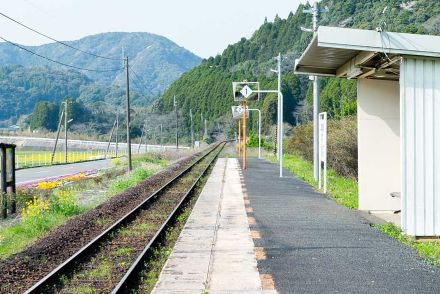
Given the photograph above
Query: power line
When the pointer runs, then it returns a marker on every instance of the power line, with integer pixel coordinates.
(140, 80)
(55, 40)
(58, 62)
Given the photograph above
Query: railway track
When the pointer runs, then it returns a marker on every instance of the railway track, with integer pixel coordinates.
(112, 262)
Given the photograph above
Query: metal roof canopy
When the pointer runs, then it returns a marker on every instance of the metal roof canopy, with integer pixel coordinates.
(354, 53)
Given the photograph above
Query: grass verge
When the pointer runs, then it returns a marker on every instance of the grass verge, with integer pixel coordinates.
(344, 191)
(45, 210)
(428, 250)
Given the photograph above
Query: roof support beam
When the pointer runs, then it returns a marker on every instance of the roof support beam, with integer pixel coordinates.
(359, 59)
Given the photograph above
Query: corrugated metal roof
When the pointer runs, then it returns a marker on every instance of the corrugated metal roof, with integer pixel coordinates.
(334, 47)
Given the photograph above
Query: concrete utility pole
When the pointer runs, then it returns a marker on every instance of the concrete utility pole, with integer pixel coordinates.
(117, 133)
(192, 129)
(58, 136)
(65, 131)
(161, 132)
(205, 134)
(177, 123)
(201, 126)
(130, 167)
(315, 11)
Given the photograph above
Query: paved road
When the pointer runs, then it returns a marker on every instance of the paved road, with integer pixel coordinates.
(314, 245)
(32, 174)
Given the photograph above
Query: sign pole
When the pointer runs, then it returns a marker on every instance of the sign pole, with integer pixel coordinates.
(244, 134)
(239, 138)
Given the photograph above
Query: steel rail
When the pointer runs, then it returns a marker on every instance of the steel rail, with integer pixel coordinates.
(54, 275)
(132, 273)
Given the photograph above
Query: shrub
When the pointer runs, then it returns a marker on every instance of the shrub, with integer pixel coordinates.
(341, 141)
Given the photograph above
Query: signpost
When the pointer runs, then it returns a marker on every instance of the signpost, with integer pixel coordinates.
(323, 150)
(244, 91)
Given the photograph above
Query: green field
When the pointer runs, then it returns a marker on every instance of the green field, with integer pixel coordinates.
(30, 158)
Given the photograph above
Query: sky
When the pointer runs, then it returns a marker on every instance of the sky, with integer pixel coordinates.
(205, 27)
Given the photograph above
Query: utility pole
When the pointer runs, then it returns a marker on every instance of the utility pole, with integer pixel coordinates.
(161, 132)
(201, 126)
(65, 131)
(192, 129)
(117, 132)
(177, 123)
(58, 136)
(315, 11)
(205, 134)
(130, 167)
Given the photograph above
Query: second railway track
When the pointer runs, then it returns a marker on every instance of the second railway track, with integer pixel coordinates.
(112, 261)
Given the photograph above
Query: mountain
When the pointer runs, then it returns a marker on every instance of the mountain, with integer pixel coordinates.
(207, 88)
(157, 60)
(26, 79)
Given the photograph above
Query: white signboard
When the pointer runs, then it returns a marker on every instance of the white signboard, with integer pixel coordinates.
(237, 112)
(245, 91)
(323, 150)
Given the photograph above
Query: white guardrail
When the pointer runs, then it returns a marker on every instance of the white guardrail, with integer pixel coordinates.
(32, 151)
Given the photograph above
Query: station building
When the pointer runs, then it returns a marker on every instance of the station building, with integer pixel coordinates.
(398, 100)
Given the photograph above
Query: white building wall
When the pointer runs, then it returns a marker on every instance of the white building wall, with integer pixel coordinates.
(420, 122)
(378, 145)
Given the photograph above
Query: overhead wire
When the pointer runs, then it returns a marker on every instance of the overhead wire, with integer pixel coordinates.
(57, 41)
(58, 62)
(139, 79)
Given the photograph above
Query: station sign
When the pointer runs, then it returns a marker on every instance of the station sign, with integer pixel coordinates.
(237, 112)
(323, 150)
(246, 91)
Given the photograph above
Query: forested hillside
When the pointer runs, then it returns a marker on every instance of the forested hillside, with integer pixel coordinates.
(26, 79)
(22, 87)
(207, 88)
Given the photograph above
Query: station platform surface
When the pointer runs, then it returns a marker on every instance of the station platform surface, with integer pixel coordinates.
(312, 245)
(214, 252)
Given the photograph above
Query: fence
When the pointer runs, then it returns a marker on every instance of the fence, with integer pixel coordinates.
(26, 159)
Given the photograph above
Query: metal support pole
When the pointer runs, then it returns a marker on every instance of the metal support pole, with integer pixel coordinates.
(315, 127)
(65, 132)
(192, 128)
(280, 110)
(281, 133)
(130, 167)
(244, 134)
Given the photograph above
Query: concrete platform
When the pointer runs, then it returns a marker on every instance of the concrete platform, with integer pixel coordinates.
(214, 252)
(313, 245)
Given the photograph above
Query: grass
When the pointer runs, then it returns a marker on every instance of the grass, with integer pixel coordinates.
(344, 191)
(50, 209)
(428, 250)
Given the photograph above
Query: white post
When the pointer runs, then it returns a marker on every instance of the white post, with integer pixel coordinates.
(322, 150)
(281, 133)
(280, 110)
